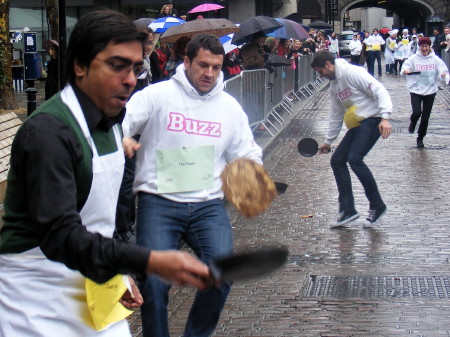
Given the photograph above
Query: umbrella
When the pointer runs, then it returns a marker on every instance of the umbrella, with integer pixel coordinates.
(205, 8)
(256, 24)
(276, 60)
(320, 25)
(226, 42)
(289, 30)
(49, 43)
(216, 27)
(384, 30)
(162, 24)
(143, 23)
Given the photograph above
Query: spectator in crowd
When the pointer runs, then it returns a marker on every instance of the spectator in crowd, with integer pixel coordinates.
(355, 47)
(52, 79)
(252, 53)
(389, 51)
(402, 50)
(164, 53)
(309, 46)
(271, 45)
(333, 48)
(177, 55)
(438, 40)
(166, 11)
(373, 48)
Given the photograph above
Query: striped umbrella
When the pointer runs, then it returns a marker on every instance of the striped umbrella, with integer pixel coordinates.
(162, 24)
(226, 42)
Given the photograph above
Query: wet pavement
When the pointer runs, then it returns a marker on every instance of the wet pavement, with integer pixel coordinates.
(391, 280)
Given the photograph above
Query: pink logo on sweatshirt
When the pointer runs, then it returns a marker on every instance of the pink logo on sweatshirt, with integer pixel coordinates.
(346, 93)
(424, 67)
(179, 123)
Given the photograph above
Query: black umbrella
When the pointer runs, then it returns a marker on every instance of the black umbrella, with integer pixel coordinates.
(320, 25)
(258, 24)
(276, 60)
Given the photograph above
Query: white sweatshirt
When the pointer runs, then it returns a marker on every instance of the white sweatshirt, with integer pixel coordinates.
(431, 68)
(354, 86)
(355, 47)
(172, 114)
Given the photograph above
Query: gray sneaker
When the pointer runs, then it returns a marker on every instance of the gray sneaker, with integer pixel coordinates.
(345, 217)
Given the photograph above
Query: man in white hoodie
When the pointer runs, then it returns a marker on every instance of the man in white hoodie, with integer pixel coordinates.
(365, 106)
(425, 69)
(190, 129)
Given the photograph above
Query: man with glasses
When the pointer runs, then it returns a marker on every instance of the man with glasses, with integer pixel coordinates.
(365, 106)
(66, 168)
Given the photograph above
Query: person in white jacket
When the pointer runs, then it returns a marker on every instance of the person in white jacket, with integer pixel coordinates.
(355, 47)
(424, 69)
(391, 41)
(373, 49)
(190, 129)
(365, 106)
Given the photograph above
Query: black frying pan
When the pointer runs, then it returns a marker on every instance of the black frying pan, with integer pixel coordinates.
(281, 187)
(307, 147)
(248, 265)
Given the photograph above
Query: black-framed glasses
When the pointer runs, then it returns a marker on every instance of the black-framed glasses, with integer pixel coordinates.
(124, 67)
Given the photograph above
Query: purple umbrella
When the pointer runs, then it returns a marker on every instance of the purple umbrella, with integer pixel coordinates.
(205, 8)
(289, 30)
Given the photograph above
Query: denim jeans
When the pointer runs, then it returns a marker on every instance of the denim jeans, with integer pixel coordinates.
(370, 62)
(355, 145)
(377, 56)
(421, 107)
(206, 228)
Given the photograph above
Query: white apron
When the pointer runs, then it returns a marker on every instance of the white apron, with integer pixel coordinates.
(45, 298)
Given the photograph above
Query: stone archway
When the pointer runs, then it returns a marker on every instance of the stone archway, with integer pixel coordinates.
(411, 13)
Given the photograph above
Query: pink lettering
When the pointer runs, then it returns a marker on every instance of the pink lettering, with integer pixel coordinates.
(346, 93)
(179, 123)
(176, 122)
(425, 67)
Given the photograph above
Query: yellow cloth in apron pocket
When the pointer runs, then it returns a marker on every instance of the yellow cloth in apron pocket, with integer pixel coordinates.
(376, 46)
(103, 301)
(351, 119)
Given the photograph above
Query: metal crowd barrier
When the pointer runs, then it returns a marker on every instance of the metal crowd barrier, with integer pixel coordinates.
(265, 95)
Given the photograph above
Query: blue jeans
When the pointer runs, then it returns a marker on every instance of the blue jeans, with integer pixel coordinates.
(355, 145)
(206, 228)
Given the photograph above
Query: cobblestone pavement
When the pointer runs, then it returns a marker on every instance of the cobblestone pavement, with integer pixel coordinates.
(392, 280)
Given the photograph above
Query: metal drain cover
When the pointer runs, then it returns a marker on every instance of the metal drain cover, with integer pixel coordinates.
(377, 286)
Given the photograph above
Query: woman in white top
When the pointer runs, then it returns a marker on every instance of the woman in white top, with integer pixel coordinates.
(425, 69)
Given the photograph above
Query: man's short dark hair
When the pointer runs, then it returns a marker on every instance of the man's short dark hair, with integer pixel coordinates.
(320, 58)
(207, 42)
(93, 32)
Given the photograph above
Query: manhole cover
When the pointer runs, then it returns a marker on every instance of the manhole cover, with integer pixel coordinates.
(377, 286)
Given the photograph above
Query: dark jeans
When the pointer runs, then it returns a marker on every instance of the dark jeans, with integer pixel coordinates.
(355, 145)
(206, 228)
(371, 57)
(354, 59)
(421, 107)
